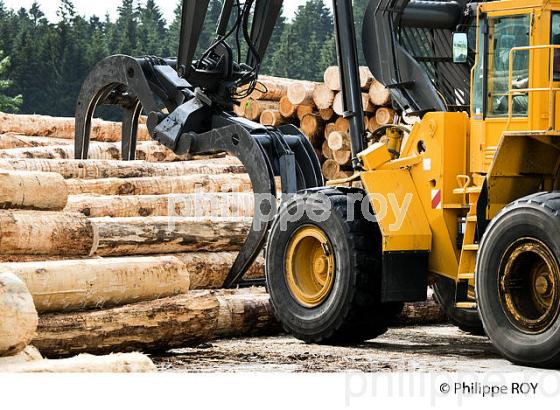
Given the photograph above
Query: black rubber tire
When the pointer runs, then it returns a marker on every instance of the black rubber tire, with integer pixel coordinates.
(468, 320)
(352, 312)
(536, 216)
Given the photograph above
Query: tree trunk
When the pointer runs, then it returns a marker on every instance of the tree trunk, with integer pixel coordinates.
(339, 141)
(45, 126)
(32, 190)
(150, 151)
(154, 235)
(71, 285)
(98, 169)
(45, 233)
(161, 185)
(384, 116)
(271, 88)
(85, 363)
(157, 326)
(301, 92)
(323, 96)
(208, 270)
(272, 118)
(201, 205)
(422, 313)
(254, 108)
(9, 141)
(378, 94)
(18, 317)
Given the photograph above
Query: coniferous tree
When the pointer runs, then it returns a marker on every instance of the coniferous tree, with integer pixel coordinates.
(7, 103)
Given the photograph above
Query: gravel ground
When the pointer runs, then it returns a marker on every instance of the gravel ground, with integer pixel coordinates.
(422, 349)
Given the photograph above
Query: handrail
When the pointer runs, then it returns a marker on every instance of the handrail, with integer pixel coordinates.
(550, 89)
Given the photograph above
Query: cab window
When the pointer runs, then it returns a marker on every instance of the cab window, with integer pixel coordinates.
(555, 40)
(505, 33)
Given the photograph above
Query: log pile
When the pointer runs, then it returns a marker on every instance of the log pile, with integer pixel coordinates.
(318, 110)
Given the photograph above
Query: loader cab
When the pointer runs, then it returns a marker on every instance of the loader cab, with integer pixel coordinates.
(516, 74)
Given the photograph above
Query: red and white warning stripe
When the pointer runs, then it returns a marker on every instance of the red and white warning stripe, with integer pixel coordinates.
(436, 198)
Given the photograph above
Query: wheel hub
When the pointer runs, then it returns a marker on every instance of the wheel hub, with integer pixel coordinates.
(310, 266)
(529, 285)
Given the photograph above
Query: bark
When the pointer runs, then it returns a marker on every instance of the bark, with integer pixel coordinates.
(216, 205)
(32, 190)
(379, 94)
(161, 185)
(323, 96)
(85, 363)
(98, 169)
(45, 233)
(254, 108)
(72, 285)
(208, 270)
(157, 326)
(150, 151)
(45, 126)
(155, 235)
(9, 141)
(301, 92)
(18, 317)
(272, 118)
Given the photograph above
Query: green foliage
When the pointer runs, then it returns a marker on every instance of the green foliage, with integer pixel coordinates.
(7, 104)
(48, 61)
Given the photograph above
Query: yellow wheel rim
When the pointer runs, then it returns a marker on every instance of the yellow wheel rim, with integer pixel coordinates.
(310, 266)
(529, 286)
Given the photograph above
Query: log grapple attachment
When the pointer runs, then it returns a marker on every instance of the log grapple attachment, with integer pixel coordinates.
(189, 107)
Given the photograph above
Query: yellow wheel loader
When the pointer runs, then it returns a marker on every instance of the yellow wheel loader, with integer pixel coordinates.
(466, 200)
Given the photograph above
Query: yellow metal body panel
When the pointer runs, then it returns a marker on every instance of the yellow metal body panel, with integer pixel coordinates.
(375, 156)
(398, 209)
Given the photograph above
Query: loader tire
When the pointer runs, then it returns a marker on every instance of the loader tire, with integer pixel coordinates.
(518, 278)
(468, 320)
(350, 311)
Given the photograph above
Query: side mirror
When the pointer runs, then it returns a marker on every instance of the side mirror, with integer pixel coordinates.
(460, 48)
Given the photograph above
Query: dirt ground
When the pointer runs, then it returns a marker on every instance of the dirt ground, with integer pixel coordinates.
(423, 349)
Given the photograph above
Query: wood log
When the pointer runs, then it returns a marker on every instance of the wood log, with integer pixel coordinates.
(342, 125)
(332, 78)
(330, 169)
(301, 92)
(150, 151)
(323, 96)
(366, 78)
(270, 88)
(208, 270)
(85, 363)
(312, 126)
(161, 185)
(422, 313)
(215, 205)
(29, 354)
(372, 124)
(239, 108)
(272, 118)
(162, 235)
(384, 116)
(9, 141)
(339, 141)
(254, 108)
(338, 104)
(73, 285)
(379, 94)
(18, 321)
(32, 190)
(343, 157)
(45, 233)
(45, 126)
(98, 169)
(326, 114)
(330, 127)
(326, 151)
(303, 110)
(343, 175)
(286, 108)
(157, 326)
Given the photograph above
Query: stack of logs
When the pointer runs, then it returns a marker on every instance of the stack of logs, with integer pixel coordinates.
(103, 256)
(318, 110)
